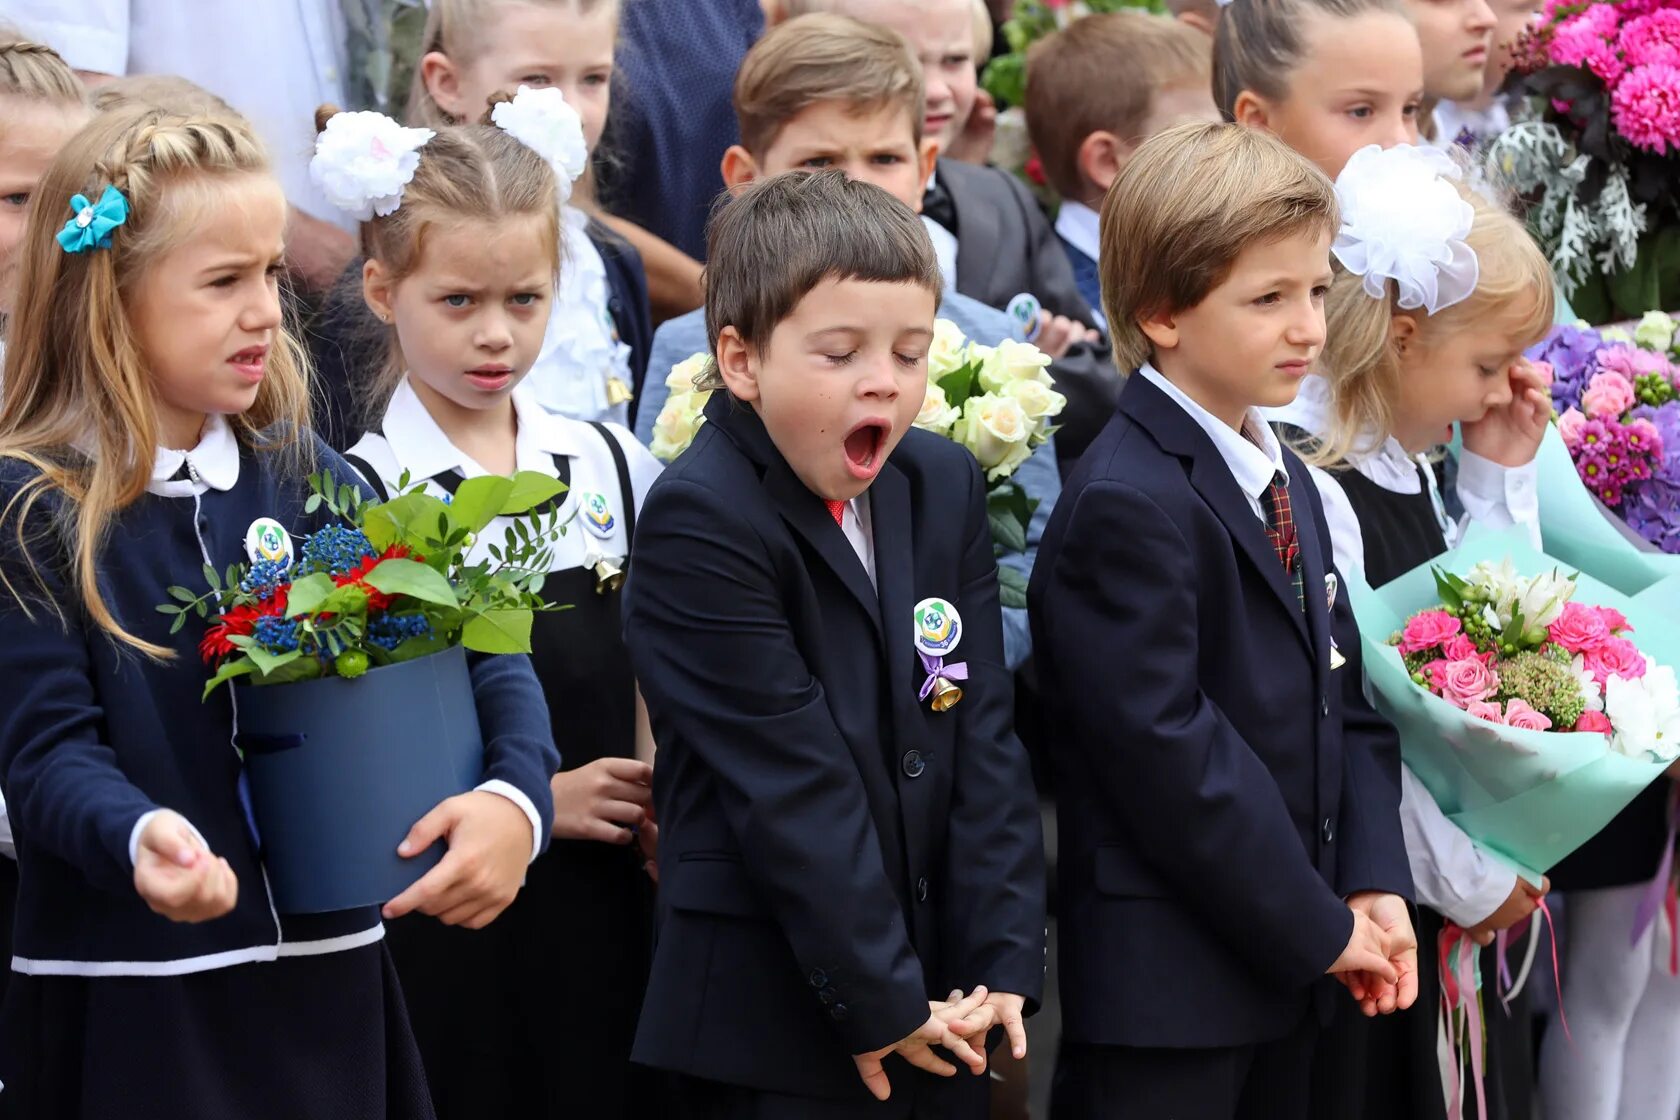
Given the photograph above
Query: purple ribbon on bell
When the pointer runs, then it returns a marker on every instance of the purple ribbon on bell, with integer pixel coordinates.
(939, 683)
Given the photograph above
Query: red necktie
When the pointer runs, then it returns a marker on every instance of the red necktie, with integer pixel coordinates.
(837, 510)
(1280, 527)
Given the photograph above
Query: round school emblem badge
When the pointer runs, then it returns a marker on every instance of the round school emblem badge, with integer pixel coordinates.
(267, 539)
(938, 627)
(597, 515)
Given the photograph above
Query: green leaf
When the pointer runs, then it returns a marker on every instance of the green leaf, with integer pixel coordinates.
(1009, 531)
(1012, 588)
(1445, 589)
(228, 671)
(479, 500)
(308, 593)
(416, 648)
(412, 578)
(180, 621)
(266, 662)
(182, 594)
(959, 384)
(404, 520)
(313, 504)
(505, 631)
(212, 578)
(530, 489)
(303, 669)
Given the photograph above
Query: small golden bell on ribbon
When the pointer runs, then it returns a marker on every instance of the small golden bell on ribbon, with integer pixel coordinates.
(945, 695)
(608, 576)
(617, 391)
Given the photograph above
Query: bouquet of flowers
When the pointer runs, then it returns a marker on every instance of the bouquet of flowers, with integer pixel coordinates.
(1532, 718)
(1618, 405)
(366, 628)
(1599, 149)
(997, 401)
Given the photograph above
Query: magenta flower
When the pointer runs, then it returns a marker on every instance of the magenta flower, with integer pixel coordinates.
(1631, 361)
(1427, 630)
(1651, 38)
(1588, 40)
(1614, 620)
(1593, 721)
(1615, 657)
(1645, 107)
(1458, 647)
(1468, 680)
(1579, 628)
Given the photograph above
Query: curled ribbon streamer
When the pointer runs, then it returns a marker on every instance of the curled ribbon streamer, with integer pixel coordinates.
(1661, 887)
(1557, 975)
(1513, 987)
(936, 668)
(1459, 962)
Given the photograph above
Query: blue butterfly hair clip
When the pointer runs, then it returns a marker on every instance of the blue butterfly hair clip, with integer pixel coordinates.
(91, 227)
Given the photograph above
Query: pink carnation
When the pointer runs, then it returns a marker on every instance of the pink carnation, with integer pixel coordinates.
(1458, 647)
(1593, 721)
(1579, 628)
(1615, 657)
(1518, 713)
(1631, 361)
(1614, 620)
(1586, 40)
(1435, 673)
(1467, 680)
(1646, 107)
(1427, 630)
(1570, 425)
(1608, 395)
(1481, 709)
(1651, 38)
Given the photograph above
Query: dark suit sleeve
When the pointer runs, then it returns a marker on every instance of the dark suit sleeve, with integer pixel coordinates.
(994, 905)
(1086, 376)
(1119, 615)
(518, 740)
(1052, 276)
(718, 664)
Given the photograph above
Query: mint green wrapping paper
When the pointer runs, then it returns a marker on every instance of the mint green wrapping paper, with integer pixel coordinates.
(1579, 533)
(1530, 797)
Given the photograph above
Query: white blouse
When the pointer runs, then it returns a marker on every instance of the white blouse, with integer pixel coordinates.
(583, 369)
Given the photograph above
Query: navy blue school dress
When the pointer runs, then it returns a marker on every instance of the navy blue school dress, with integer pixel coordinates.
(115, 1011)
(534, 1016)
(1386, 1068)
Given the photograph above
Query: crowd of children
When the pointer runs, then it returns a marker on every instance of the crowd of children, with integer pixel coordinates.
(756, 837)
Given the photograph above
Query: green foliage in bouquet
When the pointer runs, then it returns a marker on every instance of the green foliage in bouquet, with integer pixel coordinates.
(1005, 77)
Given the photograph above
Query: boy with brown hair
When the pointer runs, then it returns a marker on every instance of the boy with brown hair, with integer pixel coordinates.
(1095, 92)
(1228, 801)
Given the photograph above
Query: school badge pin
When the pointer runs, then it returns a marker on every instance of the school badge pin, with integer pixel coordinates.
(597, 515)
(938, 631)
(1331, 586)
(1023, 309)
(267, 539)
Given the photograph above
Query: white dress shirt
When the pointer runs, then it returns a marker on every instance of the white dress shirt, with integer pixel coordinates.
(944, 245)
(1081, 227)
(1452, 875)
(856, 523)
(581, 350)
(1253, 455)
(275, 61)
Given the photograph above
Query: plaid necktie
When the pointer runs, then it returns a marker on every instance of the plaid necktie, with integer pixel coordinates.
(1280, 527)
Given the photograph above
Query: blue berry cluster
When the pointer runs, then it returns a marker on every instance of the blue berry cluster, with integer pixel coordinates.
(276, 634)
(389, 631)
(265, 576)
(334, 550)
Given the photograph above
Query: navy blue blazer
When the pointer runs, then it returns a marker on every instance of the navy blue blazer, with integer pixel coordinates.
(92, 735)
(347, 345)
(1220, 789)
(833, 853)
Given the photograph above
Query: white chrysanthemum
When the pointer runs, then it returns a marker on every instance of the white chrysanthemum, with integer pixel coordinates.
(1403, 219)
(543, 121)
(1645, 713)
(1591, 694)
(363, 161)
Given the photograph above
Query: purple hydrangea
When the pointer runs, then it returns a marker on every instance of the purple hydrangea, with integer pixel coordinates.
(1667, 422)
(1653, 511)
(1572, 352)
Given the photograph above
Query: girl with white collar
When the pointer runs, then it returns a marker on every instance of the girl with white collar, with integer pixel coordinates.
(1437, 294)
(151, 413)
(462, 241)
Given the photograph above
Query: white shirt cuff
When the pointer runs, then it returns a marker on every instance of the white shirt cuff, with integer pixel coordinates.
(514, 794)
(140, 826)
(1451, 873)
(1497, 496)
(7, 847)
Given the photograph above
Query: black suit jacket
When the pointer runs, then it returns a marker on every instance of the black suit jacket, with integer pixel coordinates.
(833, 853)
(1220, 788)
(1006, 246)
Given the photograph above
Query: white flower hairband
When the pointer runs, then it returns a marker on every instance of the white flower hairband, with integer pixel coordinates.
(363, 160)
(1403, 219)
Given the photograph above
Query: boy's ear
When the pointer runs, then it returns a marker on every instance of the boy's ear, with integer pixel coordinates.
(442, 81)
(1252, 109)
(1201, 22)
(739, 168)
(1102, 156)
(736, 363)
(929, 160)
(1402, 331)
(378, 290)
(1160, 328)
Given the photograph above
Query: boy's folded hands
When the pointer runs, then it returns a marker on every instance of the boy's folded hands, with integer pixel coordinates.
(1379, 966)
(950, 1024)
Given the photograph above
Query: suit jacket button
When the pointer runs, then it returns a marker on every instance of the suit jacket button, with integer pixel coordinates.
(913, 764)
(1324, 706)
(819, 979)
(921, 889)
(838, 1012)
(825, 996)
(1328, 831)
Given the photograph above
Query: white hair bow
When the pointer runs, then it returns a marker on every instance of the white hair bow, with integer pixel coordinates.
(1403, 219)
(543, 121)
(363, 161)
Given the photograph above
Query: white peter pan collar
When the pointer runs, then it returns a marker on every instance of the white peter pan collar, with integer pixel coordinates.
(426, 452)
(212, 465)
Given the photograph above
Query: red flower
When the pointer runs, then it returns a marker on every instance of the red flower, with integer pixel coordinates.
(238, 622)
(1035, 171)
(377, 600)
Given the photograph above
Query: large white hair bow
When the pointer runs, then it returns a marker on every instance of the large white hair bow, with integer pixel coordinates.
(1403, 219)
(543, 121)
(363, 161)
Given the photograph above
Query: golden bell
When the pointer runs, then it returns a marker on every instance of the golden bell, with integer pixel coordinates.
(608, 577)
(617, 391)
(945, 695)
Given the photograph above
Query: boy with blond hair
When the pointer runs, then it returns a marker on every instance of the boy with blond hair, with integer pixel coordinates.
(1095, 92)
(1228, 801)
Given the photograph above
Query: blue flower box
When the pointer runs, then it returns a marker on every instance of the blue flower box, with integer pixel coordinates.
(340, 770)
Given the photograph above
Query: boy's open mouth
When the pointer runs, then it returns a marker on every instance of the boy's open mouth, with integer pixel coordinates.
(863, 446)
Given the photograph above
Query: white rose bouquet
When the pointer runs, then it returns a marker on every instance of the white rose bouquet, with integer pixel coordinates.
(997, 401)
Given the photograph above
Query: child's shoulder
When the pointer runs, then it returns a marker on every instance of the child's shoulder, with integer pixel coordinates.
(933, 460)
